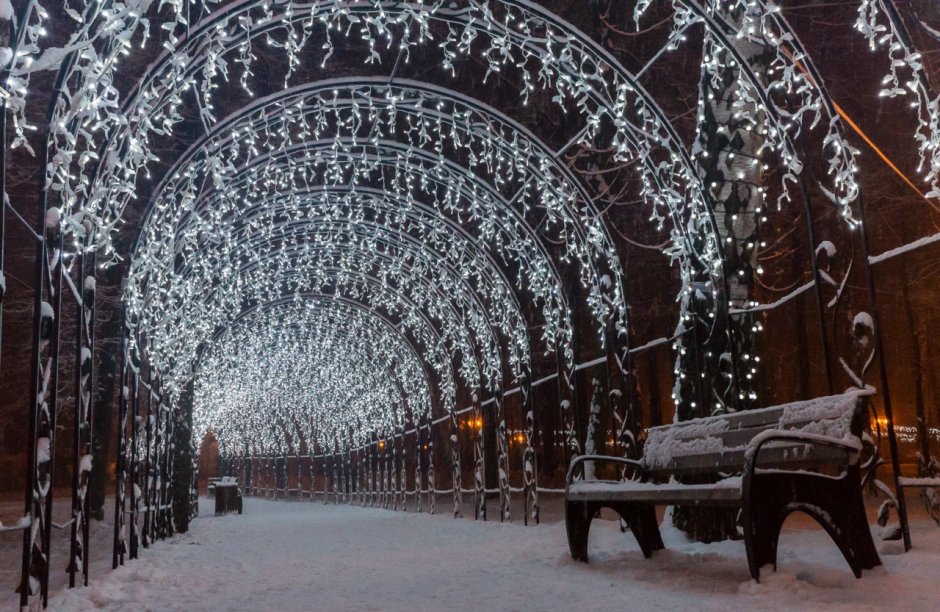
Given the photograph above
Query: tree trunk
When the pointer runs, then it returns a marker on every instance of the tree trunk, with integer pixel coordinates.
(718, 367)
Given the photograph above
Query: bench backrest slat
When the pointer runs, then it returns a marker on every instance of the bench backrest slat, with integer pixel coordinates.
(718, 444)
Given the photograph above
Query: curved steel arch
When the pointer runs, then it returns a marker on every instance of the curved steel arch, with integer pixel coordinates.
(378, 282)
(397, 327)
(301, 147)
(546, 259)
(318, 310)
(276, 100)
(387, 159)
(273, 204)
(424, 334)
(416, 280)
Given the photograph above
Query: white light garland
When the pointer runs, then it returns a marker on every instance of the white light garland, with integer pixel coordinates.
(383, 175)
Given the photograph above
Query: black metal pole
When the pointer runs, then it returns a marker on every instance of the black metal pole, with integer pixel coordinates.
(135, 407)
(55, 290)
(148, 470)
(89, 296)
(74, 547)
(820, 308)
(885, 390)
(117, 556)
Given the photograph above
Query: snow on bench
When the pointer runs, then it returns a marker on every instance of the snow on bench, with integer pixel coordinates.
(801, 456)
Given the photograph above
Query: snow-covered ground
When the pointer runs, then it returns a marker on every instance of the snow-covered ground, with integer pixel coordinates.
(309, 556)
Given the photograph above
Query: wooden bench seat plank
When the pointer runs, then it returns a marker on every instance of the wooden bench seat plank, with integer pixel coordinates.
(727, 491)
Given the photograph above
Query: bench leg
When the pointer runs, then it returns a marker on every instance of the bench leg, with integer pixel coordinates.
(640, 517)
(837, 505)
(645, 528)
(851, 532)
(762, 524)
(578, 517)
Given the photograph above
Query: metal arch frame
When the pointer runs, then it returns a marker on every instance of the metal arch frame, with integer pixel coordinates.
(230, 12)
(383, 380)
(526, 7)
(312, 226)
(451, 412)
(314, 88)
(502, 448)
(388, 256)
(320, 297)
(324, 304)
(383, 198)
(446, 219)
(902, 35)
(464, 246)
(310, 406)
(253, 264)
(443, 298)
(614, 63)
(661, 122)
(815, 80)
(29, 6)
(306, 146)
(45, 332)
(406, 244)
(381, 321)
(717, 26)
(530, 439)
(401, 300)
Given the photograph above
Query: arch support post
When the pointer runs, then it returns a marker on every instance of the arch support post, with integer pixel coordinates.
(364, 478)
(419, 476)
(148, 472)
(529, 457)
(885, 388)
(502, 461)
(568, 402)
(479, 465)
(134, 464)
(456, 478)
(119, 544)
(430, 455)
(34, 578)
(84, 420)
(403, 471)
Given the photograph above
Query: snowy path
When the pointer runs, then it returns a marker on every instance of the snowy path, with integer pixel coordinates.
(304, 556)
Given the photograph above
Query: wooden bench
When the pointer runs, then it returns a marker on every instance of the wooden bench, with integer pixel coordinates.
(768, 462)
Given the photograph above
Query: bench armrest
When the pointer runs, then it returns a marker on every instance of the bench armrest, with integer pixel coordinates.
(778, 435)
(604, 458)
